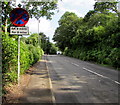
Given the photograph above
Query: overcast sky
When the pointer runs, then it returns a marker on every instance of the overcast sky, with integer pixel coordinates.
(79, 7)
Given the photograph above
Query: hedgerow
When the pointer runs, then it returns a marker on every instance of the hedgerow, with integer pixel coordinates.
(29, 54)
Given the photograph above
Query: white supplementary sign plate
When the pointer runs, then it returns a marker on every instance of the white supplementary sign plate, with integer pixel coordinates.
(19, 30)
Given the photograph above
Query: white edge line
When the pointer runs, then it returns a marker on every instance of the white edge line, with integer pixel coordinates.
(117, 82)
(51, 87)
(100, 75)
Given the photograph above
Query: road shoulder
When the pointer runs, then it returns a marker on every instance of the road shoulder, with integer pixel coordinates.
(34, 87)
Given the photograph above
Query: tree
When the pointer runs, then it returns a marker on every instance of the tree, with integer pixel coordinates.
(46, 45)
(102, 7)
(106, 7)
(33, 39)
(6, 9)
(66, 30)
(95, 37)
(35, 9)
(41, 9)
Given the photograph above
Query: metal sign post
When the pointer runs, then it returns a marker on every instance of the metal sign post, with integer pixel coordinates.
(18, 60)
(19, 17)
(39, 42)
(19, 31)
(38, 34)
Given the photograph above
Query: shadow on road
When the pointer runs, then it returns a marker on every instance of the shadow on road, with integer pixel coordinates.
(36, 96)
(38, 89)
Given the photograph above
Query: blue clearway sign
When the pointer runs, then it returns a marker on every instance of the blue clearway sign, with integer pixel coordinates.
(19, 17)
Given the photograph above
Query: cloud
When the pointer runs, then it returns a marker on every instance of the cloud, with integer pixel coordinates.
(79, 7)
(45, 26)
(63, 10)
(32, 24)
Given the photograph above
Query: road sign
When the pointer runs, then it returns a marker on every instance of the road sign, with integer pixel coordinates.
(19, 17)
(19, 30)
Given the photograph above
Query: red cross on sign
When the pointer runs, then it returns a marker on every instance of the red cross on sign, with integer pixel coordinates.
(19, 17)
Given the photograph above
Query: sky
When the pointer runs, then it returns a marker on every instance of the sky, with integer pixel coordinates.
(79, 7)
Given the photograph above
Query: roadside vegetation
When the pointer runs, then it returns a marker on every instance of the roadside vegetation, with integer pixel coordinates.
(95, 37)
(31, 48)
(29, 54)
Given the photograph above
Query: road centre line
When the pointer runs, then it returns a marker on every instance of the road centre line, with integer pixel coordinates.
(100, 75)
(75, 64)
(97, 73)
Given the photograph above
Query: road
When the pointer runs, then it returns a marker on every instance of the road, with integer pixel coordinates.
(76, 81)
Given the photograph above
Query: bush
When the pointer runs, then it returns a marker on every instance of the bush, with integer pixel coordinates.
(114, 57)
(29, 55)
(9, 58)
(24, 57)
(110, 56)
(35, 53)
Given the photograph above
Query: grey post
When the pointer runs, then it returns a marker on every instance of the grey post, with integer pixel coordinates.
(18, 60)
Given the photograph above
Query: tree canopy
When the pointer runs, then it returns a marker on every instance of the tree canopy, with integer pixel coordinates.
(35, 9)
(95, 37)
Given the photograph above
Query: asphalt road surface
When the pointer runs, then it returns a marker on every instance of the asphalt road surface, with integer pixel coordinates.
(76, 81)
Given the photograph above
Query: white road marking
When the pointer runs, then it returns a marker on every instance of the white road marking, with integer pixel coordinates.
(51, 87)
(100, 75)
(117, 82)
(75, 64)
